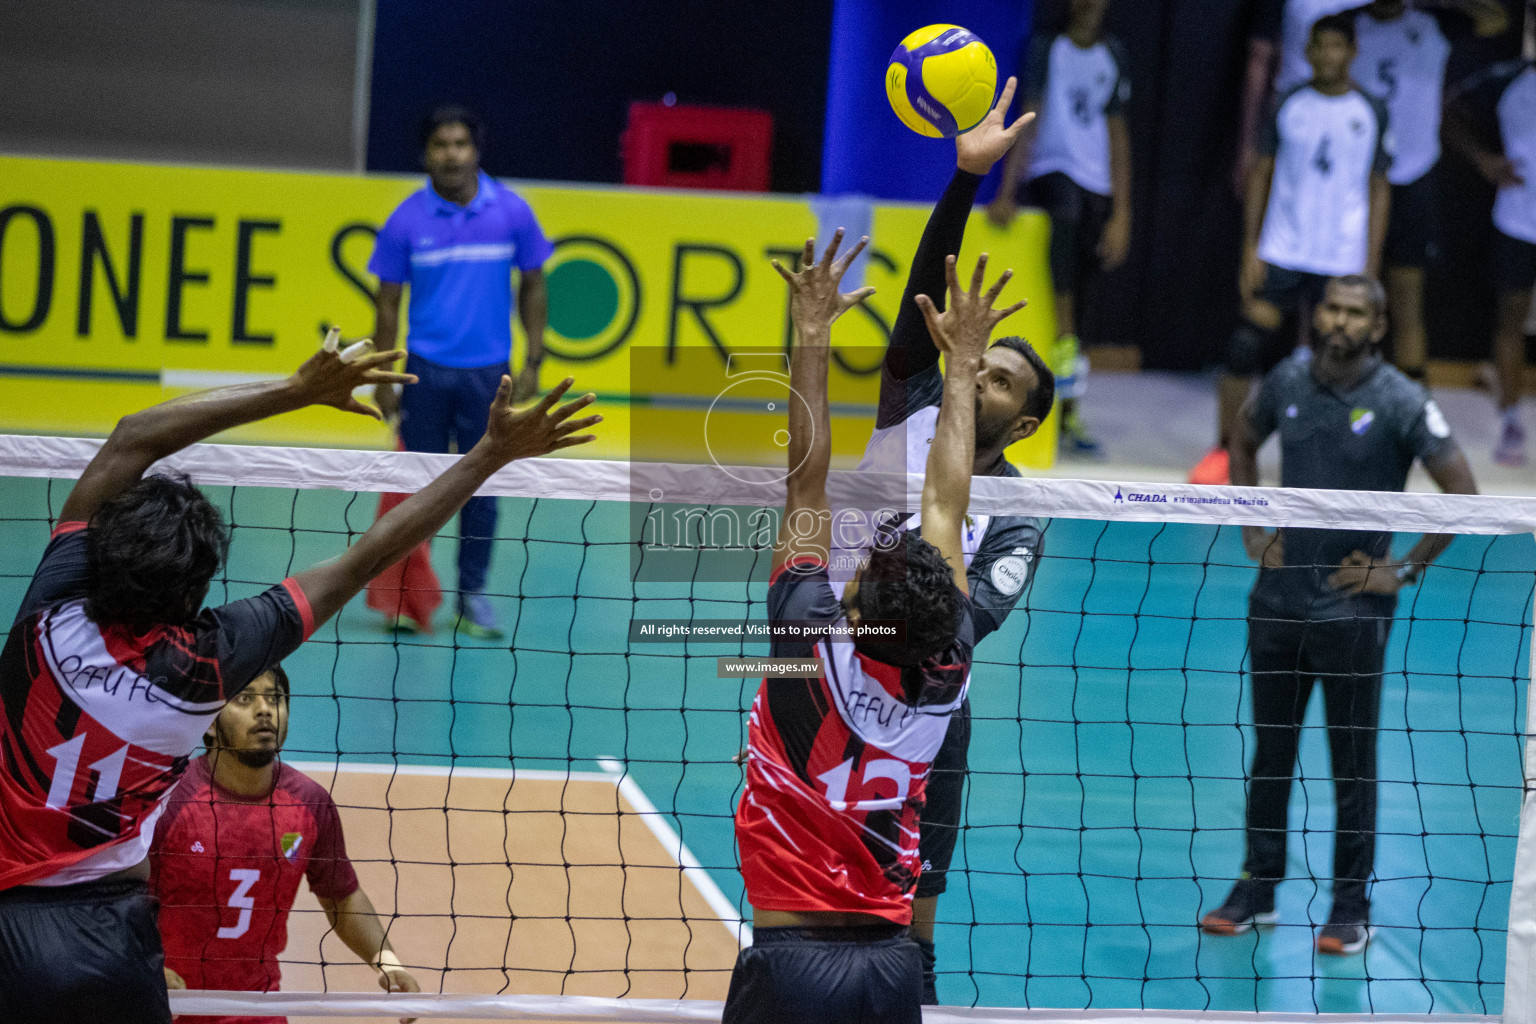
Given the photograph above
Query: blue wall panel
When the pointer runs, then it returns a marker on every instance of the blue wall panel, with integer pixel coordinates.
(866, 148)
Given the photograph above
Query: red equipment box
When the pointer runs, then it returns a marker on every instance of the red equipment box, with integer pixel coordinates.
(698, 147)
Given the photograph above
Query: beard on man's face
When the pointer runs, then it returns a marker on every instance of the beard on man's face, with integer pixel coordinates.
(256, 758)
(1341, 345)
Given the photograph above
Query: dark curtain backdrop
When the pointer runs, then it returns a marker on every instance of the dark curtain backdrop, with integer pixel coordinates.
(1177, 296)
(553, 78)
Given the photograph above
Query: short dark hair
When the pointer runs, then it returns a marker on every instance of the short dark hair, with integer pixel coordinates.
(910, 582)
(152, 551)
(1373, 288)
(1043, 395)
(452, 113)
(1344, 24)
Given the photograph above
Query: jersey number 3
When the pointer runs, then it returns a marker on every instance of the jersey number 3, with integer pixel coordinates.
(241, 900)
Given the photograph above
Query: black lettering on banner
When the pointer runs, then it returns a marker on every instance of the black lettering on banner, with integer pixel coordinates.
(353, 277)
(43, 298)
(239, 333)
(791, 259)
(697, 306)
(180, 277)
(93, 247)
(885, 261)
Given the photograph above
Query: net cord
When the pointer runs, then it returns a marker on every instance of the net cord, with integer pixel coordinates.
(598, 480)
(680, 1011)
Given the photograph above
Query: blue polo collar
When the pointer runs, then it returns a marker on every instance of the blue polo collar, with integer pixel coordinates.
(485, 195)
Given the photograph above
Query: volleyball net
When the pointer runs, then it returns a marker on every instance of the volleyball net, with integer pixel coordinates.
(544, 822)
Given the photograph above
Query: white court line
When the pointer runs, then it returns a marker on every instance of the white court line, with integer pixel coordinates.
(615, 774)
(740, 931)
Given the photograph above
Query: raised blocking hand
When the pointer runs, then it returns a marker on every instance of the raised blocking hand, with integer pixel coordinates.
(964, 329)
(539, 429)
(814, 299)
(329, 376)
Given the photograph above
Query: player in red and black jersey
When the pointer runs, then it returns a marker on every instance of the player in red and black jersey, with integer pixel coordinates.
(838, 763)
(237, 835)
(113, 670)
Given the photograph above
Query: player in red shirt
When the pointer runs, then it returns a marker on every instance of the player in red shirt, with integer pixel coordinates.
(837, 764)
(113, 670)
(238, 833)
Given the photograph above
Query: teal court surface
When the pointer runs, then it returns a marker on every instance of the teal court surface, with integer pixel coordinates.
(1105, 806)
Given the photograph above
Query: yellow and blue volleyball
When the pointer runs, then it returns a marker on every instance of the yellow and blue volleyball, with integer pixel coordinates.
(941, 81)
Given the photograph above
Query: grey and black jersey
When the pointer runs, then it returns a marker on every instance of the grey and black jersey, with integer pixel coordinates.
(1363, 439)
(1000, 551)
(1076, 90)
(1402, 63)
(1326, 148)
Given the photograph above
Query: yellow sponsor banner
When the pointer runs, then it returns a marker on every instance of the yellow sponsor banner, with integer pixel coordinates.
(123, 284)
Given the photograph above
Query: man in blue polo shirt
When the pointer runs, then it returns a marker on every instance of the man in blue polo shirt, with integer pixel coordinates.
(457, 242)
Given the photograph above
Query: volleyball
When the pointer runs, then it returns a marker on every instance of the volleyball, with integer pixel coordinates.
(941, 81)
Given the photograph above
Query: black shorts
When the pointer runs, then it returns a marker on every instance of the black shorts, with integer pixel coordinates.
(1515, 263)
(1292, 292)
(1077, 217)
(84, 954)
(1254, 351)
(940, 826)
(1413, 225)
(827, 976)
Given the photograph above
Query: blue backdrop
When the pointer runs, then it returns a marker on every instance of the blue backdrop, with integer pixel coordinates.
(866, 149)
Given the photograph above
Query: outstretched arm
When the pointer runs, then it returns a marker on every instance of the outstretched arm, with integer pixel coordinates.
(814, 304)
(509, 436)
(962, 332)
(912, 350)
(142, 439)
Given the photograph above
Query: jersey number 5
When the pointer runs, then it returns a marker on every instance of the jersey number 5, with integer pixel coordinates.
(837, 779)
(239, 900)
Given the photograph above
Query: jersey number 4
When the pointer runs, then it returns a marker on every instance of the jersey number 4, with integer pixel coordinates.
(1323, 159)
(837, 781)
(241, 900)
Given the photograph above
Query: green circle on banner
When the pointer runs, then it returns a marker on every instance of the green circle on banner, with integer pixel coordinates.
(583, 299)
(594, 298)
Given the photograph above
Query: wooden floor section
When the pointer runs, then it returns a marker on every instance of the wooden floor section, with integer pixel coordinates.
(537, 884)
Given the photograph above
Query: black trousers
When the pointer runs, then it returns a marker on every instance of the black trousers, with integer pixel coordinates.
(870, 975)
(82, 954)
(1286, 657)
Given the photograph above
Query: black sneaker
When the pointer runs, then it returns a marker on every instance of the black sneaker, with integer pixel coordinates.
(1344, 938)
(1250, 903)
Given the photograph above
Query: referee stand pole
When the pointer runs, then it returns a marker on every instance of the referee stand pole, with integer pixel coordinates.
(1520, 954)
